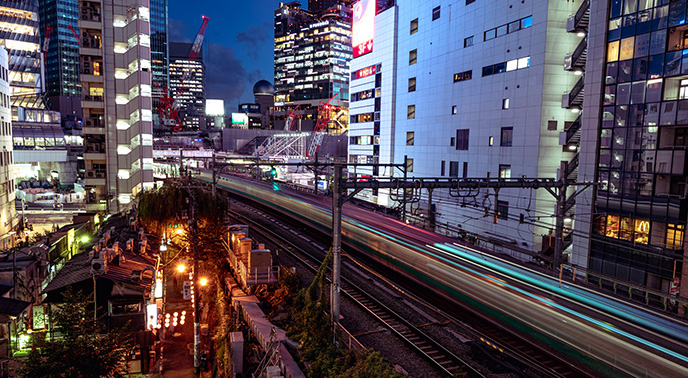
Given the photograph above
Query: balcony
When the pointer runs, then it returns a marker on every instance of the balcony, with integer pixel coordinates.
(90, 102)
(579, 22)
(574, 99)
(575, 61)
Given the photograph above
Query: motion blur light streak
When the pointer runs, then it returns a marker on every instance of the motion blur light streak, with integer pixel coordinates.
(604, 325)
(597, 301)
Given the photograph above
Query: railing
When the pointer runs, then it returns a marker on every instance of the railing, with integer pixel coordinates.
(571, 166)
(578, 52)
(576, 90)
(574, 22)
(573, 129)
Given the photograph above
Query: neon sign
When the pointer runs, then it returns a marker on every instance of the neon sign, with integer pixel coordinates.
(363, 27)
(364, 72)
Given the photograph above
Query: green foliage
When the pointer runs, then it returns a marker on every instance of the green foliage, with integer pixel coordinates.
(80, 350)
(368, 364)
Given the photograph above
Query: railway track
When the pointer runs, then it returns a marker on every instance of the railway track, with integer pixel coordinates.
(525, 352)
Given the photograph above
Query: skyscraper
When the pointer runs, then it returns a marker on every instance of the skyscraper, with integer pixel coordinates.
(8, 218)
(21, 39)
(62, 71)
(159, 49)
(117, 102)
(191, 94)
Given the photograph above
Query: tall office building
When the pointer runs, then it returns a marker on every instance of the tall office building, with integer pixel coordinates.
(159, 49)
(117, 102)
(21, 38)
(639, 209)
(191, 93)
(61, 65)
(317, 6)
(312, 54)
(473, 92)
(8, 218)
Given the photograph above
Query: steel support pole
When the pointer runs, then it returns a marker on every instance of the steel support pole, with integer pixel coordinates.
(559, 225)
(214, 176)
(337, 242)
(197, 287)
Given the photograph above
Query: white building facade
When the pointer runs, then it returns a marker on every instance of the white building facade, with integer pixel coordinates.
(8, 218)
(470, 90)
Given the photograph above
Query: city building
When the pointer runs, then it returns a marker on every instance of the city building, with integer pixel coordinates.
(189, 94)
(116, 102)
(473, 92)
(20, 37)
(159, 51)
(61, 58)
(8, 218)
(640, 115)
(312, 54)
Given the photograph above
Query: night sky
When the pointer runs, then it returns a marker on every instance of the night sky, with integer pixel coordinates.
(238, 43)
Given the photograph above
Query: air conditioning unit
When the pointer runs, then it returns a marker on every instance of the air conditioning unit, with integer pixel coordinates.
(99, 265)
(130, 245)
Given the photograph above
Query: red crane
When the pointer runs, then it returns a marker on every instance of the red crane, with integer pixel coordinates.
(76, 36)
(326, 112)
(46, 42)
(291, 117)
(168, 108)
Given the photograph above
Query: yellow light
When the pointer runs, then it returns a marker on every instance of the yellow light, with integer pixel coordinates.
(180, 231)
(181, 268)
(204, 281)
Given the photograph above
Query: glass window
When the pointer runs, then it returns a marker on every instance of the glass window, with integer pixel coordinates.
(654, 90)
(613, 51)
(412, 84)
(672, 65)
(413, 57)
(614, 29)
(612, 70)
(615, 10)
(630, 6)
(640, 69)
(668, 114)
(409, 165)
(635, 115)
(512, 65)
(527, 22)
(507, 136)
(490, 34)
(645, 4)
(411, 112)
(436, 13)
(488, 70)
(501, 30)
(674, 236)
(644, 22)
(623, 94)
(621, 116)
(524, 62)
(656, 66)
(500, 67)
(658, 42)
(514, 26)
(607, 118)
(677, 13)
(642, 45)
(606, 138)
(502, 209)
(414, 26)
(660, 18)
(467, 42)
(504, 171)
(626, 48)
(651, 117)
(619, 139)
(410, 136)
(628, 26)
(610, 95)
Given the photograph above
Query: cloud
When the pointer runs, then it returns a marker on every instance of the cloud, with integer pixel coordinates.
(226, 78)
(178, 31)
(255, 38)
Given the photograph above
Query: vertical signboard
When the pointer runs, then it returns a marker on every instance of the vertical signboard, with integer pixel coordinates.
(363, 28)
(187, 290)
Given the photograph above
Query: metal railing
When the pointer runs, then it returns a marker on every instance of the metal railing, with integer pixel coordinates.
(573, 129)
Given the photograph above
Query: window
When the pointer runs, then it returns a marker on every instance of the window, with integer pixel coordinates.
(470, 2)
(507, 136)
(467, 42)
(491, 141)
(674, 236)
(504, 171)
(505, 103)
(411, 112)
(413, 57)
(412, 84)
(503, 210)
(452, 141)
(512, 65)
(414, 26)
(509, 28)
(454, 109)
(410, 138)
(461, 76)
(409, 165)
(453, 169)
(462, 139)
(442, 168)
(465, 169)
(490, 34)
(435, 13)
(552, 125)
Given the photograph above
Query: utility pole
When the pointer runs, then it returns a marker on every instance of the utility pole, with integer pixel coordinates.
(197, 312)
(214, 176)
(336, 242)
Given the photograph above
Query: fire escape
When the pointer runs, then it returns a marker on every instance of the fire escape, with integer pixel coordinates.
(573, 100)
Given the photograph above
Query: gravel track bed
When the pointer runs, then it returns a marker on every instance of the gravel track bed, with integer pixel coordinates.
(357, 321)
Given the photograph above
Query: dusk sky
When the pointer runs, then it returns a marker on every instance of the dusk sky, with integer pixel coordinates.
(238, 43)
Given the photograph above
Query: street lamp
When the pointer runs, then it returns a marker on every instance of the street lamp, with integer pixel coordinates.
(181, 268)
(204, 281)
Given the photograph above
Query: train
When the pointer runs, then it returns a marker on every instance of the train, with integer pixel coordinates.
(603, 347)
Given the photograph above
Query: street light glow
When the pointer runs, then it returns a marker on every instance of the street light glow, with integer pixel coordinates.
(181, 268)
(204, 281)
(84, 239)
(179, 231)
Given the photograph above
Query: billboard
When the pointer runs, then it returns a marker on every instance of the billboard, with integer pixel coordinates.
(240, 120)
(363, 28)
(215, 107)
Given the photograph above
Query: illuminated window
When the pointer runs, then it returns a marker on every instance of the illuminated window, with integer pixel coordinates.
(505, 103)
(674, 236)
(504, 171)
(413, 57)
(414, 26)
(411, 112)
(454, 109)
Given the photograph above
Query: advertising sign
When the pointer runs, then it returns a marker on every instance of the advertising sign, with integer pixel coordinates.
(675, 283)
(239, 120)
(39, 318)
(365, 72)
(187, 290)
(363, 28)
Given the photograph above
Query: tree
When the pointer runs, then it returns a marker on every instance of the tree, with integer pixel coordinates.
(79, 349)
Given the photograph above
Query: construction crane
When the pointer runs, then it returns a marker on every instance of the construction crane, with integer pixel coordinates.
(76, 36)
(326, 112)
(168, 108)
(46, 42)
(291, 118)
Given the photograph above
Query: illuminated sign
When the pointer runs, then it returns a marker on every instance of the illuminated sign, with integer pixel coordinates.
(240, 120)
(363, 27)
(364, 72)
(214, 107)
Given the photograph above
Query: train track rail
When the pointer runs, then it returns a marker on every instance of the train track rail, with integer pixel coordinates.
(526, 352)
